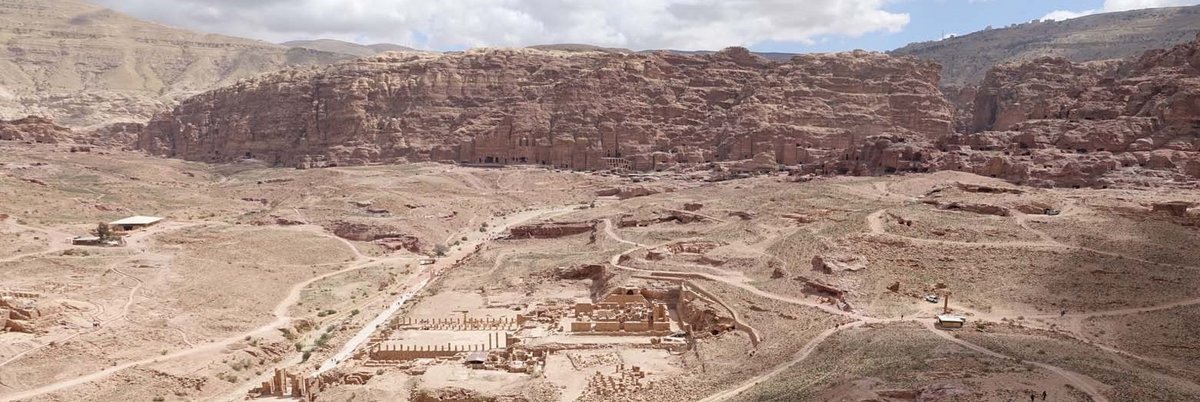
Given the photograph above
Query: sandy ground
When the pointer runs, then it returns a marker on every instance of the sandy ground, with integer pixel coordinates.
(247, 275)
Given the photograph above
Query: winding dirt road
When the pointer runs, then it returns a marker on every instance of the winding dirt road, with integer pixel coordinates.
(280, 312)
(1084, 383)
(800, 356)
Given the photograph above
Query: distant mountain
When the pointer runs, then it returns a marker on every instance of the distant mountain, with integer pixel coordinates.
(346, 48)
(82, 64)
(390, 47)
(966, 59)
(578, 47)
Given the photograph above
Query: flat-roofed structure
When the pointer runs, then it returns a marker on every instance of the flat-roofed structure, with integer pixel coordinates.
(134, 223)
(950, 321)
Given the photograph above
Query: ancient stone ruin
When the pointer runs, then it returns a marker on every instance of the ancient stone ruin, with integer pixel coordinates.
(624, 310)
(19, 311)
(284, 384)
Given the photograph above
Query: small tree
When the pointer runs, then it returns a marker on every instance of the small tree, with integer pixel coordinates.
(104, 232)
(440, 250)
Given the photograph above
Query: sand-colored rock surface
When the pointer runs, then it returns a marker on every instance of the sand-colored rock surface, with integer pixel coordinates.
(577, 110)
(258, 269)
(84, 65)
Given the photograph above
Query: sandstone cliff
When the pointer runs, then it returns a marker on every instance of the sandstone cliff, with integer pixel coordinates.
(82, 65)
(580, 110)
(1052, 122)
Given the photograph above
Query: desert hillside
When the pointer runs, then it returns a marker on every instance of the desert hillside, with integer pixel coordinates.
(347, 48)
(82, 65)
(966, 59)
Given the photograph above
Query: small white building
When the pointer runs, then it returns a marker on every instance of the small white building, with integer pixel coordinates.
(134, 223)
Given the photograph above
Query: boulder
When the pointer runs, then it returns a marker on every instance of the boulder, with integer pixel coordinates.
(1173, 208)
(838, 263)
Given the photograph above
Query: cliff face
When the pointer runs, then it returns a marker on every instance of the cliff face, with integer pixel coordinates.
(572, 110)
(1056, 123)
(84, 65)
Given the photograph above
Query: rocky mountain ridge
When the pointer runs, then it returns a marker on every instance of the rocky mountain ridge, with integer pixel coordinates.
(84, 65)
(578, 110)
(966, 59)
(346, 48)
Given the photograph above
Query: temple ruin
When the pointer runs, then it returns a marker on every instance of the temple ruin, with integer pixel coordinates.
(625, 310)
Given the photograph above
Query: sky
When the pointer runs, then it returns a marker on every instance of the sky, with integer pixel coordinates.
(794, 26)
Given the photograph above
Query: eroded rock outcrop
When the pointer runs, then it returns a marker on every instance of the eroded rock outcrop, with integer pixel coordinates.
(35, 129)
(1055, 123)
(550, 230)
(579, 110)
(641, 220)
(627, 192)
(385, 236)
(830, 264)
(579, 272)
(975, 207)
(1050, 122)
(1173, 208)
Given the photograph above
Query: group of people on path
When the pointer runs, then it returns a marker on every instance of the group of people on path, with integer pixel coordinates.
(1033, 397)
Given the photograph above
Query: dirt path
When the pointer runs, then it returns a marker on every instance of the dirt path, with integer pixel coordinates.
(800, 356)
(320, 231)
(616, 262)
(132, 292)
(57, 241)
(475, 240)
(1023, 220)
(877, 225)
(1083, 383)
(121, 315)
(281, 320)
(279, 312)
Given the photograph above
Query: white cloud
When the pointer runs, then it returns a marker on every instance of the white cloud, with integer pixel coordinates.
(439, 24)
(1118, 5)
